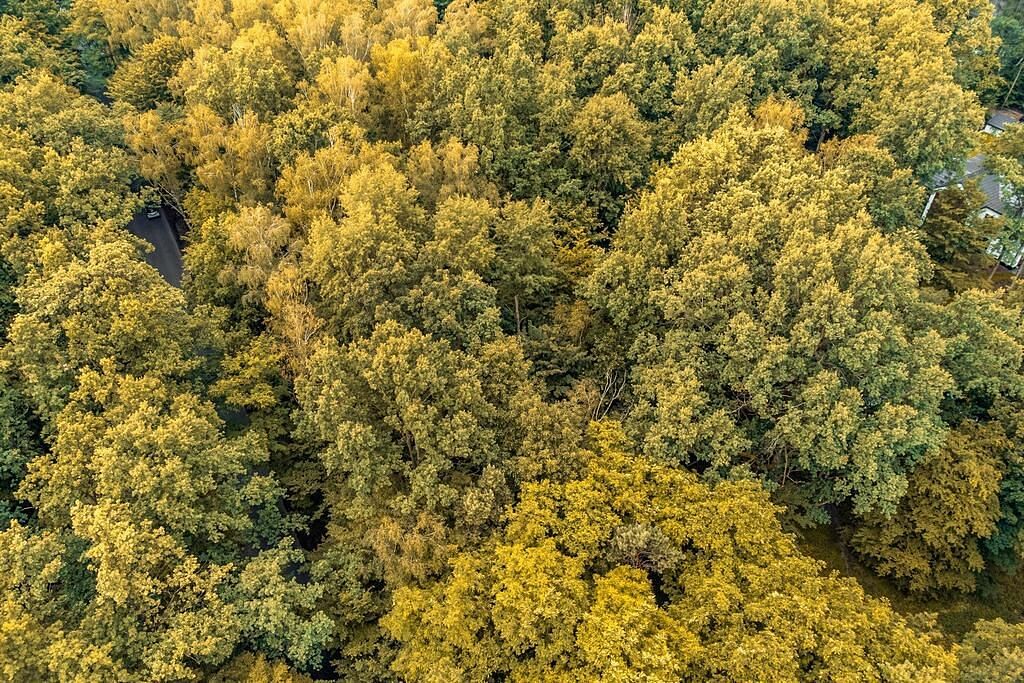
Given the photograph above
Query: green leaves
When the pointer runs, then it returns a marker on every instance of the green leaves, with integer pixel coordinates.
(784, 319)
(992, 652)
(933, 542)
(277, 613)
(611, 145)
(142, 81)
(108, 306)
(253, 75)
(425, 243)
(548, 598)
(401, 404)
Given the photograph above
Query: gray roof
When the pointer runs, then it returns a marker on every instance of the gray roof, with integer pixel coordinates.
(989, 184)
(1001, 118)
(942, 180)
(975, 165)
(974, 169)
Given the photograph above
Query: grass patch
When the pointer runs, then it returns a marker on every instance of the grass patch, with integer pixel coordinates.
(1002, 597)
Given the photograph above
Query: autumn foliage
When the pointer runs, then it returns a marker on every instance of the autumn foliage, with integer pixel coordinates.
(516, 341)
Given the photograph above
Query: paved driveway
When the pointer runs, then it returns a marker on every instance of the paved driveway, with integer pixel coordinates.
(166, 254)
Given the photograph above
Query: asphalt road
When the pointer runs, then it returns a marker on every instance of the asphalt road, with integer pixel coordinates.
(166, 254)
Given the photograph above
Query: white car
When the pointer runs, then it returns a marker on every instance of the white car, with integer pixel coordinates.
(152, 213)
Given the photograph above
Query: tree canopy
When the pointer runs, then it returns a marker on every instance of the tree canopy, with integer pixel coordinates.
(516, 341)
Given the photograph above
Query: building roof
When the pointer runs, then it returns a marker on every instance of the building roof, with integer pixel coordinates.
(975, 165)
(989, 184)
(974, 169)
(1001, 118)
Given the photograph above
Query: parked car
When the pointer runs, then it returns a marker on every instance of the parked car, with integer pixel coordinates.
(152, 213)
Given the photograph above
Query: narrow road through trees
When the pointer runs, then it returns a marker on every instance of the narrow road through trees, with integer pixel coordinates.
(166, 253)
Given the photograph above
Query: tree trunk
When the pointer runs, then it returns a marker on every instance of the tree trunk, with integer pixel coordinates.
(995, 268)
(1016, 276)
(1013, 85)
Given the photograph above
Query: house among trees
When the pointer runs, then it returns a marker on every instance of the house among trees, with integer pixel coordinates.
(1000, 119)
(1009, 250)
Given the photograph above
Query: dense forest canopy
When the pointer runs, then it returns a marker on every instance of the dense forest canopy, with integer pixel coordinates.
(518, 340)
